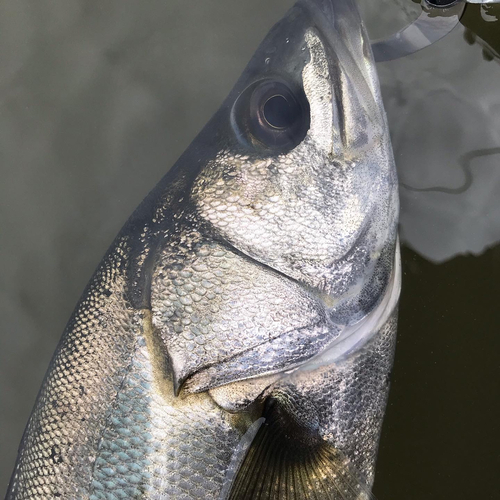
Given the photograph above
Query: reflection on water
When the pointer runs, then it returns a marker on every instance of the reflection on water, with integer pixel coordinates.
(481, 22)
(98, 100)
(440, 435)
(443, 106)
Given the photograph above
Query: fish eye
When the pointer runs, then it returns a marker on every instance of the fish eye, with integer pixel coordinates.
(271, 115)
(280, 113)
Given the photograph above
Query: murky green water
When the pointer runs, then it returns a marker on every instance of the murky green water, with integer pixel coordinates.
(441, 437)
(98, 99)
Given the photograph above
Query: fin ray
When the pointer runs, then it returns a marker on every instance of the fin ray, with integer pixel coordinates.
(288, 460)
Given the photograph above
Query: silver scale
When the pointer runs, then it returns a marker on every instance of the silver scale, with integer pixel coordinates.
(437, 19)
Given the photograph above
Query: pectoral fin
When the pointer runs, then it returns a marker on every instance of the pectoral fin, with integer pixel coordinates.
(288, 459)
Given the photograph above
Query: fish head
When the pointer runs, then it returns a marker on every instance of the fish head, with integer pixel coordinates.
(292, 194)
(303, 178)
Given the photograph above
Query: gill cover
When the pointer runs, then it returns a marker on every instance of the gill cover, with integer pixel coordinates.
(292, 215)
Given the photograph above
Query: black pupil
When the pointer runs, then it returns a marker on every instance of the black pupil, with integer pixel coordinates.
(441, 3)
(279, 113)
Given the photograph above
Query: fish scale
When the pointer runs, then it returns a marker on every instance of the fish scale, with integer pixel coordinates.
(230, 293)
(86, 372)
(150, 445)
(342, 410)
(237, 338)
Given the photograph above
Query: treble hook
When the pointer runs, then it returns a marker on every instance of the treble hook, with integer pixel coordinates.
(438, 18)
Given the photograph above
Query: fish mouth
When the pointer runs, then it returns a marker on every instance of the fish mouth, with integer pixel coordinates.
(352, 68)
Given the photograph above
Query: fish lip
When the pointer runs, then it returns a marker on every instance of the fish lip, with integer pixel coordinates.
(354, 337)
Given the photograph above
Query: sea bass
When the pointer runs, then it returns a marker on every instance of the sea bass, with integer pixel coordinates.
(237, 338)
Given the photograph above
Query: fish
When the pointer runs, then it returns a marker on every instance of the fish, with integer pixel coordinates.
(236, 341)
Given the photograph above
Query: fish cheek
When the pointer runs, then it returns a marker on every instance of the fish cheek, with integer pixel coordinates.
(210, 304)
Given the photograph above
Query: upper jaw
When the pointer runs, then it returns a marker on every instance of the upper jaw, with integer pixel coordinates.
(352, 68)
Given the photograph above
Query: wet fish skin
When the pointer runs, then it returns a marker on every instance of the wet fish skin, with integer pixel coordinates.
(246, 261)
(345, 405)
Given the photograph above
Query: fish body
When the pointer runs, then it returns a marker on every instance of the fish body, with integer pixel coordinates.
(237, 338)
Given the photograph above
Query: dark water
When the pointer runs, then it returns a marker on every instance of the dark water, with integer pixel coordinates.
(98, 99)
(441, 435)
